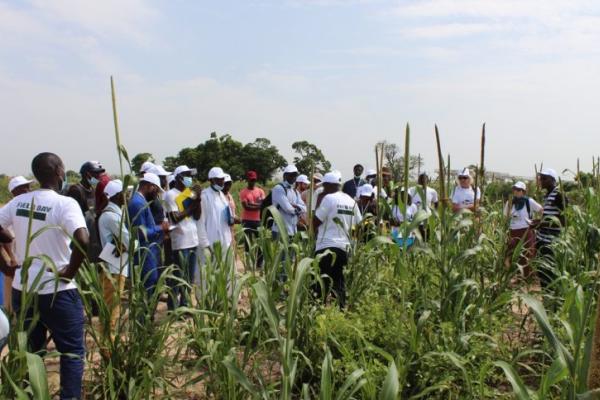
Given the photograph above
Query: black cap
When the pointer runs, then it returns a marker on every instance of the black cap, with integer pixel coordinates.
(91, 166)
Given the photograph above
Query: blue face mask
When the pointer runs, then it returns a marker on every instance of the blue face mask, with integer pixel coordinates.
(93, 181)
(187, 181)
(217, 188)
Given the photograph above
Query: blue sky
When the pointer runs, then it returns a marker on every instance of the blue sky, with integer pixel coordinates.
(341, 74)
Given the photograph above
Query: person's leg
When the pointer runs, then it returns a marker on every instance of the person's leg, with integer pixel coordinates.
(528, 252)
(150, 270)
(37, 336)
(325, 271)
(175, 285)
(63, 315)
(189, 271)
(545, 272)
(337, 275)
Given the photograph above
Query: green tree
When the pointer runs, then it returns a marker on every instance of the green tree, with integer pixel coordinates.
(393, 158)
(234, 157)
(309, 155)
(262, 157)
(139, 159)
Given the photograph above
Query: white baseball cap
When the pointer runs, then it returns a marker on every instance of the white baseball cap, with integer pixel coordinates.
(153, 179)
(332, 177)
(146, 166)
(227, 178)
(365, 190)
(302, 179)
(158, 170)
(18, 181)
(520, 185)
(184, 168)
(290, 169)
(465, 172)
(370, 172)
(318, 176)
(170, 179)
(549, 172)
(216, 173)
(113, 187)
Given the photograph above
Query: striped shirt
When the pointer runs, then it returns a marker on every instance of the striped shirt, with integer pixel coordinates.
(554, 205)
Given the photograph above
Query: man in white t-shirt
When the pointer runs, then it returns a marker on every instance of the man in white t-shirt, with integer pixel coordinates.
(463, 197)
(16, 186)
(431, 199)
(431, 195)
(333, 222)
(184, 236)
(57, 304)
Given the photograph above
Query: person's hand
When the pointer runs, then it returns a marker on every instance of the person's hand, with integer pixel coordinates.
(535, 223)
(165, 226)
(119, 250)
(67, 273)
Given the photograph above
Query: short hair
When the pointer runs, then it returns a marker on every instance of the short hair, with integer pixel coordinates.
(358, 165)
(44, 166)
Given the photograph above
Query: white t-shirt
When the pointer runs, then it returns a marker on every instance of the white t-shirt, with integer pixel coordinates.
(463, 197)
(520, 219)
(185, 234)
(63, 217)
(338, 213)
(431, 197)
(411, 211)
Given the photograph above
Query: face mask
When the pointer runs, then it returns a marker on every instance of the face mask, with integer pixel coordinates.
(217, 187)
(187, 181)
(64, 184)
(93, 181)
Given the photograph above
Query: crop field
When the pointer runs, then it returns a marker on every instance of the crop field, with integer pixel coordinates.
(449, 318)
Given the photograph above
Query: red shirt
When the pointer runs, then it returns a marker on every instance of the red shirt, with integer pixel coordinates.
(101, 200)
(255, 195)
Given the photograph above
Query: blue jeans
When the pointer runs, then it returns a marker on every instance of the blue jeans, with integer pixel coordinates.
(62, 315)
(185, 267)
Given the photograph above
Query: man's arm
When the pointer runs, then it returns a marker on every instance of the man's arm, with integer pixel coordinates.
(5, 236)
(81, 241)
(280, 198)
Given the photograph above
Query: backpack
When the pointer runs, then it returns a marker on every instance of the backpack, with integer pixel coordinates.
(268, 202)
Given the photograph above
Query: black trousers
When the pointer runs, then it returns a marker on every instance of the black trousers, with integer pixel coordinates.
(251, 233)
(546, 273)
(332, 267)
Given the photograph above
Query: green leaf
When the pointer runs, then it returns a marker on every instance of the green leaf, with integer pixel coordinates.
(391, 385)
(37, 376)
(519, 388)
(238, 374)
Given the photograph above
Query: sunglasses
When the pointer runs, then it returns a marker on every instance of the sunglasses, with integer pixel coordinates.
(463, 178)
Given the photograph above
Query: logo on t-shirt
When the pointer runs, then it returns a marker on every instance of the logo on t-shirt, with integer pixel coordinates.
(345, 209)
(40, 212)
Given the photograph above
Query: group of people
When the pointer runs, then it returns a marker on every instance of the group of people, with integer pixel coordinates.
(173, 221)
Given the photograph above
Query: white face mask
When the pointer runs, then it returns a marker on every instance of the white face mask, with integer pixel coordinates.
(217, 187)
(93, 181)
(64, 184)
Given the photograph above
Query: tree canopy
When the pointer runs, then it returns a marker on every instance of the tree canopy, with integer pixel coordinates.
(139, 159)
(309, 155)
(234, 157)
